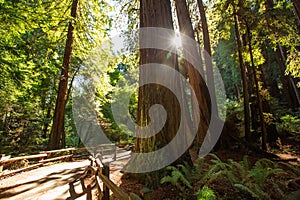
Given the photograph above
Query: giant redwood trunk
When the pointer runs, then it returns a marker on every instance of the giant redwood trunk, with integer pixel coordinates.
(57, 132)
(156, 13)
(196, 80)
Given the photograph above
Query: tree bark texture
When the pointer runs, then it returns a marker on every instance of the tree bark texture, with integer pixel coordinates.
(196, 80)
(57, 132)
(208, 63)
(157, 13)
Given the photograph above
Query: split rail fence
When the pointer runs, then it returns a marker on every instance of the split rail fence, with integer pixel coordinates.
(34, 161)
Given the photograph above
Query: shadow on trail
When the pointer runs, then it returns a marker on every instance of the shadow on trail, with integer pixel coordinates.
(50, 181)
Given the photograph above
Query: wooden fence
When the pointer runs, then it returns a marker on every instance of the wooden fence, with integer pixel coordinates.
(97, 175)
(44, 157)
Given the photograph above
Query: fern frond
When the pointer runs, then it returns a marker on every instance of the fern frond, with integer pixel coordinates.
(293, 168)
(167, 179)
(245, 163)
(247, 189)
(185, 171)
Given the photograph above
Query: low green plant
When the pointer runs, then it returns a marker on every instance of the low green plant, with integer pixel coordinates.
(244, 176)
(180, 177)
(205, 193)
(289, 123)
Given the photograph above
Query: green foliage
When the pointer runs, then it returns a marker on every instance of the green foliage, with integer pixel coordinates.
(289, 123)
(32, 40)
(180, 177)
(243, 176)
(205, 193)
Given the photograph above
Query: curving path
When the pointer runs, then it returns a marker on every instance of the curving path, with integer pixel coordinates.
(52, 181)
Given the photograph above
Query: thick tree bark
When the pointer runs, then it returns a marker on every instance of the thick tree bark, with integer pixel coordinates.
(244, 78)
(197, 82)
(57, 131)
(157, 13)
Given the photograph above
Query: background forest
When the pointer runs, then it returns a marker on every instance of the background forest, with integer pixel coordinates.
(255, 44)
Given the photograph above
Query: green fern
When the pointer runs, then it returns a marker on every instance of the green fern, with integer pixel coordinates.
(243, 176)
(255, 192)
(296, 170)
(247, 189)
(259, 175)
(185, 170)
(205, 193)
(218, 165)
(178, 178)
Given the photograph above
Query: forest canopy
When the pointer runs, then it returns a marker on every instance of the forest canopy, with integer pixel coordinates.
(248, 79)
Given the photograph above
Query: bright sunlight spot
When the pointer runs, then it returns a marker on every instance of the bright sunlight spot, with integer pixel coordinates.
(176, 41)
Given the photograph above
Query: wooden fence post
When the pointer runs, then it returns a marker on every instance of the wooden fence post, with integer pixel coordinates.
(115, 153)
(105, 172)
(70, 153)
(1, 166)
(89, 193)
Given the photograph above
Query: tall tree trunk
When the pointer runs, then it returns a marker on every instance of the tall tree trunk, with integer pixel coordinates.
(156, 13)
(259, 98)
(57, 131)
(296, 4)
(208, 63)
(244, 77)
(269, 74)
(288, 84)
(196, 80)
(289, 87)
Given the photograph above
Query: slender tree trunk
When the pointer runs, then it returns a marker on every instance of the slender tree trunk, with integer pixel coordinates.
(46, 123)
(57, 131)
(244, 78)
(287, 83)
(291, 92)
(296, 4)
(259, 98)
(197, 82)
(63, 141)
(208, 63)
(273, 135)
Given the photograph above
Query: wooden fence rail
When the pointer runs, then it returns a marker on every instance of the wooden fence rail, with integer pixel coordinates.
(100, 174)
(49, 156)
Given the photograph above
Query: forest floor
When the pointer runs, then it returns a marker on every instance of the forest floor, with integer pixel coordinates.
(51, 181)
(289, 150)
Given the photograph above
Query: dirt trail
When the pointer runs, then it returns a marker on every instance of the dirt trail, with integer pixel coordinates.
(51, 182)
